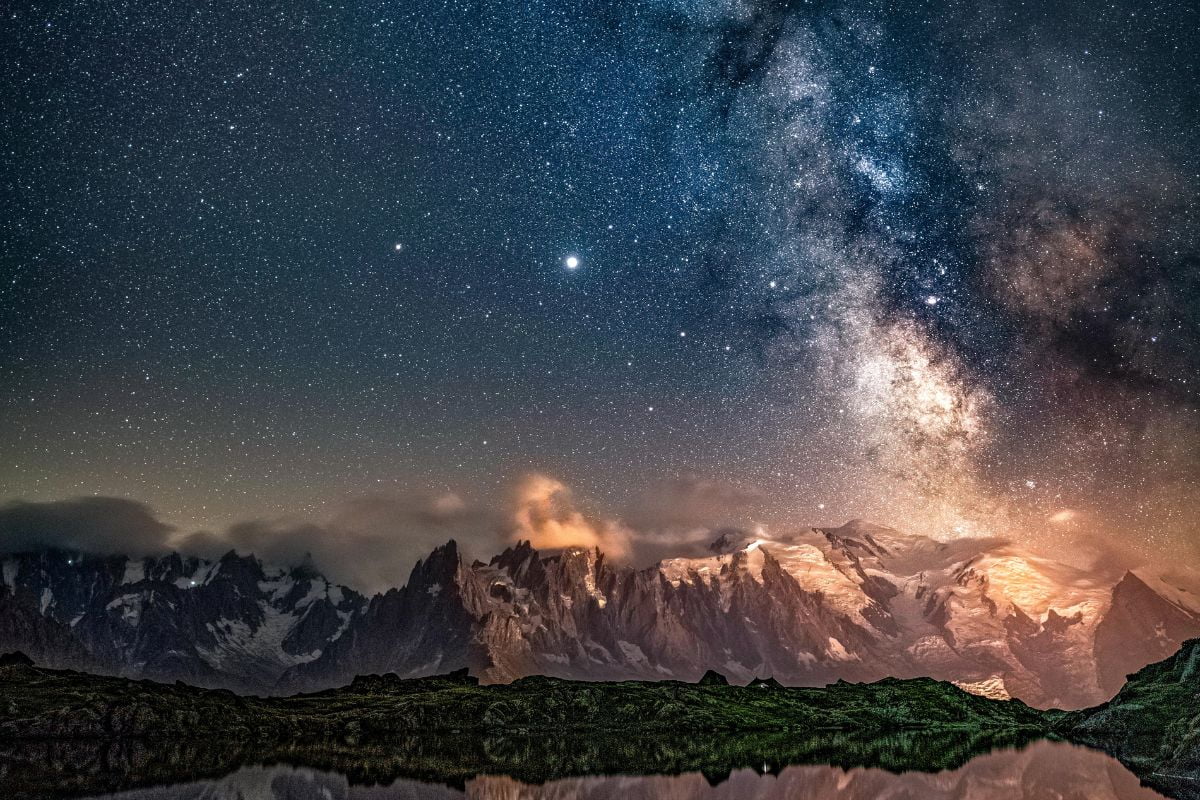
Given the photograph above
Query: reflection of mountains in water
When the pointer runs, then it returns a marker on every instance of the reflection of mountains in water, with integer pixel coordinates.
(765, 766)
(1041, 770)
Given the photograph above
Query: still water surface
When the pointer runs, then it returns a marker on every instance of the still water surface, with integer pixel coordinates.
(1041, 771)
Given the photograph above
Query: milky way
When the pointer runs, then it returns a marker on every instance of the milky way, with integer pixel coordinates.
(933, 264)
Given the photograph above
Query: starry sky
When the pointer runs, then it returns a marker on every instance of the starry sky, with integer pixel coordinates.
(650, 266)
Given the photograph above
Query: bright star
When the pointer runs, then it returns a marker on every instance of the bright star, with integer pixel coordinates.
(572, 262)
(931, 300)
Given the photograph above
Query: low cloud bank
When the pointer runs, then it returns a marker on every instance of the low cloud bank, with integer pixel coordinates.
(86, 524)
(371, 541)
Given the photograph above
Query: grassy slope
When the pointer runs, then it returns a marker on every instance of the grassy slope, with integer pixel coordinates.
(49, 703)
(1153, 724)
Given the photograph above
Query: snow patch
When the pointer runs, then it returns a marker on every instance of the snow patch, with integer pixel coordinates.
(812, 569)
(992, 687)
(238, 648)
(135, 571)
(317, 589)
(589, 582)
(277, 587)
(345, 617)
(691, 570)
(837, 651)
(705, 571)
(130, 606)
(204, 572)
(47, 599)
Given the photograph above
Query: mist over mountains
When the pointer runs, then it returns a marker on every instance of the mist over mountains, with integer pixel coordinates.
(859, 602)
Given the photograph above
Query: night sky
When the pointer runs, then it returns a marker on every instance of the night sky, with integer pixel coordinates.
(696, 263)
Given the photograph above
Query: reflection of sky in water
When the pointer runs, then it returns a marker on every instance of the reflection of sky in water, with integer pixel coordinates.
(1043, 771)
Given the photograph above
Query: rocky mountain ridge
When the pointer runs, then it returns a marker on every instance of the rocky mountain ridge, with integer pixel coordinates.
(859, 603)
(229, 623)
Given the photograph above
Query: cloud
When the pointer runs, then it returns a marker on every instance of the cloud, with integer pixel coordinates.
(693, 501)
(681, 517)
(675, 517)
(87, 524)
(546, 516)
(369, 542)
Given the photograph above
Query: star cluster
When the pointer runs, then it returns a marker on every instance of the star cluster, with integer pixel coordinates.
(931, 263)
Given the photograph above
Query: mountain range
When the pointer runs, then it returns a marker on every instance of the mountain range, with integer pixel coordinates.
(859, 603)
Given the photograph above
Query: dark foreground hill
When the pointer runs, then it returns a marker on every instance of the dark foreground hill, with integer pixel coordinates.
(550, 727)
(1153, 724)
(42, 703)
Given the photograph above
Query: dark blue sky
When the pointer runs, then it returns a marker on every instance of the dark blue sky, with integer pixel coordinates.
(930, 263)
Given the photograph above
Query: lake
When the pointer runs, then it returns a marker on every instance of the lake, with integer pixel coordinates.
(1043, 770)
